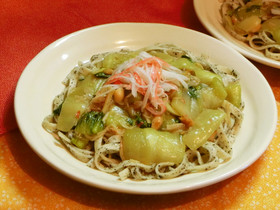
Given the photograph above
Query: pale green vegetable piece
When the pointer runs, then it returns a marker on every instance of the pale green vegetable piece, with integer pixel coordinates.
(184, 104)
(151, 146)
(234, 94)
(180, 63)
(77, 102)
(206, 123)
(170, 109)
(112, 60)
(167, 58)
(219, 88)
(80, 143)
(72, 106)
(169, 119)
(206, 76)
(180, 105)
(184, 63)
(276, 35)
(252, 8)
(250, 24)
(209, 99)
(273, 26)
(118, 118)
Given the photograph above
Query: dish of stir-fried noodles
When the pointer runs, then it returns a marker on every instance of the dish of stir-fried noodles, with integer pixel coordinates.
(255, 22)
(154, 113)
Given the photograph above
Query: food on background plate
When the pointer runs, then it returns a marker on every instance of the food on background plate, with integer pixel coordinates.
(255, 22)
(155, 113)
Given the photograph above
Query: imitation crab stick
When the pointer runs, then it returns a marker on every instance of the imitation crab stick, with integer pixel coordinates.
(151, 77)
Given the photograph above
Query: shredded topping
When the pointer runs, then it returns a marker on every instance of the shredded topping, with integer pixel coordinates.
(149, 76)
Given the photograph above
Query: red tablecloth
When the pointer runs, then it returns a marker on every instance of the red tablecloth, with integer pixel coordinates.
(26, 27)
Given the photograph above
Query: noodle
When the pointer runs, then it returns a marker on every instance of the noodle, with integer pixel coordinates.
(154, 81)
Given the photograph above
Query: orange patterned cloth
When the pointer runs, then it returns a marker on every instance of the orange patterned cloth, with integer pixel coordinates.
(28, 182)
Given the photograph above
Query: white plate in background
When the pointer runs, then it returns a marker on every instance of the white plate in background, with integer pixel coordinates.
(209, 15)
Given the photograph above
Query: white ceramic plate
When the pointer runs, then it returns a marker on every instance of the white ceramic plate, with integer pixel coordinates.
(208, 14)
(41, 82)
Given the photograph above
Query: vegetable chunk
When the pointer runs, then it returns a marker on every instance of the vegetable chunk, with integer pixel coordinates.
(151, 146)
(90, 123)
(118, 117)
(234, 94)
(205, 124)
(77, 102)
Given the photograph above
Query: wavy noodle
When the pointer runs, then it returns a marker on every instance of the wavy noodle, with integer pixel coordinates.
(103, 151)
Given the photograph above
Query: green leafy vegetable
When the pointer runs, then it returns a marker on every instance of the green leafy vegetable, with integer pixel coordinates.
(187, 102)
(102, 75)
(80, 143)
(57, 110)
(130, 121)
(90, 123)
(192, 91)
(142, 123)
(253, 8)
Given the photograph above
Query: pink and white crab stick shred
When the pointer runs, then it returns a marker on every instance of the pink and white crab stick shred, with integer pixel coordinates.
(149, 76)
